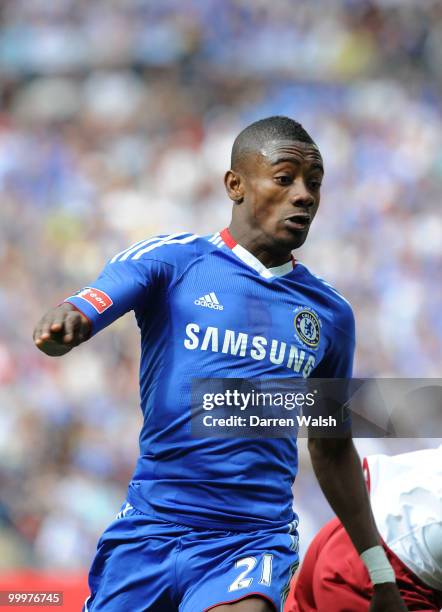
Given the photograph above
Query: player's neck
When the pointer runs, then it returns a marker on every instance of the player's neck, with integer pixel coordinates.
(257, 246)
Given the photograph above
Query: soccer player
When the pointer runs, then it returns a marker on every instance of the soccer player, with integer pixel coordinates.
(406, 497)
(208, 523)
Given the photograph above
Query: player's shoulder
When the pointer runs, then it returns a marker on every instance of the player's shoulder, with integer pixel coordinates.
(172, 249)
(335, 301)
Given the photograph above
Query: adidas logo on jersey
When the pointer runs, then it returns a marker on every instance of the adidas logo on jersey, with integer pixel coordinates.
(209, 301)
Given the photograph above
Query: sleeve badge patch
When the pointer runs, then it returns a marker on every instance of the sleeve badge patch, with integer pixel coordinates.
(96, 298)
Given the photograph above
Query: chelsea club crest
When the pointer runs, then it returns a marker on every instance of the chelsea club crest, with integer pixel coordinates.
(307, 326)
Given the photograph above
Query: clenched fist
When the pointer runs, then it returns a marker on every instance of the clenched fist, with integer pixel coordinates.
(60, 330)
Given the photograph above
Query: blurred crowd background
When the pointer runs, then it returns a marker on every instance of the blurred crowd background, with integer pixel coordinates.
(116, 122)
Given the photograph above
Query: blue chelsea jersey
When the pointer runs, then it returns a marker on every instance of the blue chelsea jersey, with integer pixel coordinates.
(207, 308)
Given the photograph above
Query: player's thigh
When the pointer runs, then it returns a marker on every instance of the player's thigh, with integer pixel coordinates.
(238, 572)
(133, 567)
(249, 604)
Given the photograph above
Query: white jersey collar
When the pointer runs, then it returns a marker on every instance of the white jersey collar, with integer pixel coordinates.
(253, 261)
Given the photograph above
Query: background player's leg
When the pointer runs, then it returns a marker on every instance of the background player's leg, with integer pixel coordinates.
(340, 581)
(302, 596)
(249, 604)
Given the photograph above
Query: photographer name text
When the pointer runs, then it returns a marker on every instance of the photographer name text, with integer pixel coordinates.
(256, 421)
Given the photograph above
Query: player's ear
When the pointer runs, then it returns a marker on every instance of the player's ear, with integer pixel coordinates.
(234, 186)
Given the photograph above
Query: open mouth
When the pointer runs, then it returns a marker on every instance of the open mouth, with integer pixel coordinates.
(299, 221)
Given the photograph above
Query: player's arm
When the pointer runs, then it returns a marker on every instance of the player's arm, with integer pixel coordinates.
(337, 466)
(123, 285)
(338, 469)
(60, 329)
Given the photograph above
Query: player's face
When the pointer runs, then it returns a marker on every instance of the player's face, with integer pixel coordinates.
(280, 192)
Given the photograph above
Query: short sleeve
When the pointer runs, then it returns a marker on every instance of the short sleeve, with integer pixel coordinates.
(338, 359)
(337, 364)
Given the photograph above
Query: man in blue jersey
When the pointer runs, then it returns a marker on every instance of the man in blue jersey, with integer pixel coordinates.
(208, 523)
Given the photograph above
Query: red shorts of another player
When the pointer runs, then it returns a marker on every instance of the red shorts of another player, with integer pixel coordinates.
(334, 579)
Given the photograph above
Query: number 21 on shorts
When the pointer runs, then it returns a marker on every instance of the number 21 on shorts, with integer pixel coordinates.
(249, 563)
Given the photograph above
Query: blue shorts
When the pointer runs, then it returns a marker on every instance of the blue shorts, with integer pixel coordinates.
(147, 564)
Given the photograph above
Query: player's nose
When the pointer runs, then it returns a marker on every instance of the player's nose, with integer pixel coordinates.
(300, 195)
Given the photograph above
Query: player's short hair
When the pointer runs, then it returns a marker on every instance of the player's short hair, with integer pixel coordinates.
(255, 135)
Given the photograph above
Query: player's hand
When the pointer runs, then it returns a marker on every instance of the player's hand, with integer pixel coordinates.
(386, 598)
(60, 330)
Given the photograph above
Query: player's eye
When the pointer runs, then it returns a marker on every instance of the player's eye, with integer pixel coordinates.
(283, 179)
(315, 184)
